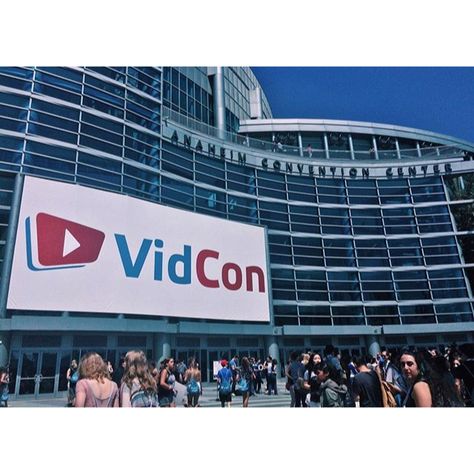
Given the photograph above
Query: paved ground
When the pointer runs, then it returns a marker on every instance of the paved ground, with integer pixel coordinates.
(208, 399)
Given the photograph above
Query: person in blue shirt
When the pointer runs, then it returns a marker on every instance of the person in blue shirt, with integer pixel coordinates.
(224, 384)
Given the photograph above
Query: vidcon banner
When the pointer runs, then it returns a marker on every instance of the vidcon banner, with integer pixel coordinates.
(80, 249)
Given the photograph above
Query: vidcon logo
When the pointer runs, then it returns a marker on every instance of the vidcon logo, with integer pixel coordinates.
(61, 243)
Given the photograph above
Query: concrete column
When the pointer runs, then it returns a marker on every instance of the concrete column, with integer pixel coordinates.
(219, 102)
(300, 143)
(373, 344)
(4, 348)
(273, 351)
(161, 347)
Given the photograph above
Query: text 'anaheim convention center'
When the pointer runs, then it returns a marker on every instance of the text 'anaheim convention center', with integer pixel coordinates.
(164, 209)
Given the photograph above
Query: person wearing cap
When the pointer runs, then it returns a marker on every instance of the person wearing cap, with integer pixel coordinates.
(224, 383)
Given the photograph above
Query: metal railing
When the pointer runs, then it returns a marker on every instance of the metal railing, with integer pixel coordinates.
(434, 152)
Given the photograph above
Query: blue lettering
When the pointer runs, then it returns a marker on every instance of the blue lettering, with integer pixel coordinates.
(132, 270)
(185, 259)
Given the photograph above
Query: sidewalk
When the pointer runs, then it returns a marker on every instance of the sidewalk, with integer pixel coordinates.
(207, 399)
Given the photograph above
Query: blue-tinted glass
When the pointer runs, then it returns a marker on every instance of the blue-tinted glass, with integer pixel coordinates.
(59, 110)
(14, 83)
(58, 82)
(13, 125)
(54, 133)
(304, 219)
(11, 143)
(339, 252)
(271, 184)
(9, 157)
(394, 191)
(241, 178)
(99, 175)
(116, 73)
(103, 96)
(371, 253)
(210, 202)
(37, 161)
(331, 191)
(344, 286)
(210, 170)
(13, 112)
(20, 72)
(101, 134)
(284, 310)
(335, 221)
(308, 251)
(50, 150)
(377, 286)
(274, 215)
(301, 188)
(348, 315)
(454, 312)
(152, 126)
(280, 249)
(418, 314)
(13, 99)
(106, 124)
(179, 165)
(99, 162)
(103, 107)
(57, 122)
(100, 145)
(405, 252)
(380, 315)
(242, 209)
(177, 193)
(108, 87)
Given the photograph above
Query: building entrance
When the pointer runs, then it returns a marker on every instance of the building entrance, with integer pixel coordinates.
(37, 372)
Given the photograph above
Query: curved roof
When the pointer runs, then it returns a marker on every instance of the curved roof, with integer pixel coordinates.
(348, 126)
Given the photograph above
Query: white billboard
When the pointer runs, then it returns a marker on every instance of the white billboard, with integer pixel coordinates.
(81, 249)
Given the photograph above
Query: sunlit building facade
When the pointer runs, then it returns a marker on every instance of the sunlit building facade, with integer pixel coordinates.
(369, 226)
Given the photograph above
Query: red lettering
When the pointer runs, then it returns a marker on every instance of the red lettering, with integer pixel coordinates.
(249, 271)
(238, 276)
(200, 260)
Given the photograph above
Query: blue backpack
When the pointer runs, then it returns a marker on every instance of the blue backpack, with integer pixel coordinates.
(225, 387)
(193, 387)
(242, 385)
(75, 377)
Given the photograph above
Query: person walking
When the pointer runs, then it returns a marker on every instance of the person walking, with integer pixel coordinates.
(224, 384)
(72, 376)
(192, 379)
(166, 391)
(245, 377)
(4, 386)
(366, 388)
(138, 388)
(94, 388)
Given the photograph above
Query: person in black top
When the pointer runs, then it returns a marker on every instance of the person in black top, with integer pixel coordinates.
(366, 386)
(463, 372)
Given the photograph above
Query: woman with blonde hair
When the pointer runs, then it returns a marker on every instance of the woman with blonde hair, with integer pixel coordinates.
(95, 389)
(138, 388)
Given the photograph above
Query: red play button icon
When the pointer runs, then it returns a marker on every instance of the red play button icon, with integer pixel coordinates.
(63, 242)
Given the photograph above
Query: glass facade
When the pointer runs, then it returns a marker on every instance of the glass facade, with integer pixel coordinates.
(374, 251)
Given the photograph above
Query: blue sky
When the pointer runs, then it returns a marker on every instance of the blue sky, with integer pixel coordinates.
(436, 99)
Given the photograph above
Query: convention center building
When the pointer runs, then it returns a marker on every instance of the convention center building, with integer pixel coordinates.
(165, 209)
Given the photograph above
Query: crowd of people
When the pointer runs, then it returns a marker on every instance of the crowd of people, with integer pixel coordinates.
(393, 378)
(402, 378)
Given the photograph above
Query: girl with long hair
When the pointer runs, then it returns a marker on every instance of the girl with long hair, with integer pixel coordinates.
(138, 388)
(95, 389)
(166, 391)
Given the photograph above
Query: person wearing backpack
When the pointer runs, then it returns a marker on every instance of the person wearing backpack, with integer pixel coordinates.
(224, 384)
(366, 385)
(138, 388)
(333, 391)
(192, 379)
(245, 376)
(72, 376)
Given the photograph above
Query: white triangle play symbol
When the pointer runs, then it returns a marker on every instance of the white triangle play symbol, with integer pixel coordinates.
(70, 243)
